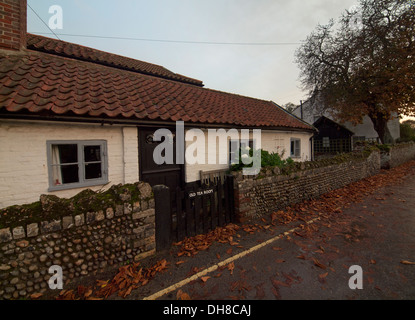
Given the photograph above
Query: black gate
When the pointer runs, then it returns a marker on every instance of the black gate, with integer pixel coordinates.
(193, 211)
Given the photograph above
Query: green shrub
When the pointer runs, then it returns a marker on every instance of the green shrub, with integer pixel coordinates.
(267, 160)
(407, 133)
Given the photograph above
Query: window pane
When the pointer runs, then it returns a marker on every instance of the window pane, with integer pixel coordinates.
(298, 148)
(61, 173)
(56, 175)
(295, 147)
(70, 174)
(92, 153)
(65, 153)
(93, 171)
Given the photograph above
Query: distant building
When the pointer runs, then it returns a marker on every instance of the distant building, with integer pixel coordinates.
(312, 113)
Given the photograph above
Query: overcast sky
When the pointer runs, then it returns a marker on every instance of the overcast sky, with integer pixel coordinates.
(266, 72)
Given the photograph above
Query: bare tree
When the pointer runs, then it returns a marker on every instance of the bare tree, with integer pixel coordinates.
(290, 107)
(364, 64)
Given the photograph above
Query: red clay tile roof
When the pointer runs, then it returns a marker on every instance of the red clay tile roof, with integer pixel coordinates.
(70, 50)
(40, 83)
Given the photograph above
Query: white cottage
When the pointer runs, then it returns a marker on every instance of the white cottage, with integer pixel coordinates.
(73, 117)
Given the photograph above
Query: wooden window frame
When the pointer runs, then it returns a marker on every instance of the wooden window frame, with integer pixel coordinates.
(296, 153)
(83, 182)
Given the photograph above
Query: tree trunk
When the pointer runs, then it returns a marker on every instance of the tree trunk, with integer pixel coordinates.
(380, 125)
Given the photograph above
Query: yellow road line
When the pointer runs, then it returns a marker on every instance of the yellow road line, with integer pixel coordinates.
(222, 264)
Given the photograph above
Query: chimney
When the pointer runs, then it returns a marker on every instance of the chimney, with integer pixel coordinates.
(13, 24)
(301, 103)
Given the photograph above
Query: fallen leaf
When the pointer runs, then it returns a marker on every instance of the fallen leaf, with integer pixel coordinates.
(182, 295)
(276, 293)
(180, 262)
(322, 277)
(319, 264)
(81, 290)
(230, 267)
(94, 298)
(35, 296)
(88, 293)
(407, 262)
(277, 283)
(102, 283)
(204, 279)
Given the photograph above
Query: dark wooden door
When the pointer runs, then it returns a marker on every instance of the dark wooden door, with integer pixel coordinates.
(170, 175)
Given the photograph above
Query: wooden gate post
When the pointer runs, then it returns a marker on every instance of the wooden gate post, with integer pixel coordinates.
(163, 217)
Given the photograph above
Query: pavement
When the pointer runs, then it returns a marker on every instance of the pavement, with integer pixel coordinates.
(305, 261)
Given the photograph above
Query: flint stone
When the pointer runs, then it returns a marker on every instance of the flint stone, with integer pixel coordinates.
(22, 244)
(79, 220)
(67, 222)
(51, 226)
(4, 267)
(32, 230)
(110, 213)
(18, 233)
(90, 217)
(119, 210)
(99, 216)
(145, 191)
(5, 235)
(127, 208)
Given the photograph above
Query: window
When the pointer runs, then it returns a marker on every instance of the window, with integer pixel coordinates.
(295, 150)
(233, 146)
(247, 143)
(326, 142)
(74, 164)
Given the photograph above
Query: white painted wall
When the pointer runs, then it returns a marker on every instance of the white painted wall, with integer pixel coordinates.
(272, 141)
(24, 167)
(279, 142)
(23, 157)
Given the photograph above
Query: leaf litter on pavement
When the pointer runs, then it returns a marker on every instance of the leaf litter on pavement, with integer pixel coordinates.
(329, 207)
(326, 207)
(128, 278)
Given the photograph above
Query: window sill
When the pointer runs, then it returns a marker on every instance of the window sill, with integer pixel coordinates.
(71, 186)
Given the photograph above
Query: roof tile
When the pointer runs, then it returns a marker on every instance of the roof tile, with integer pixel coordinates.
(66, 49)
(41, 82)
